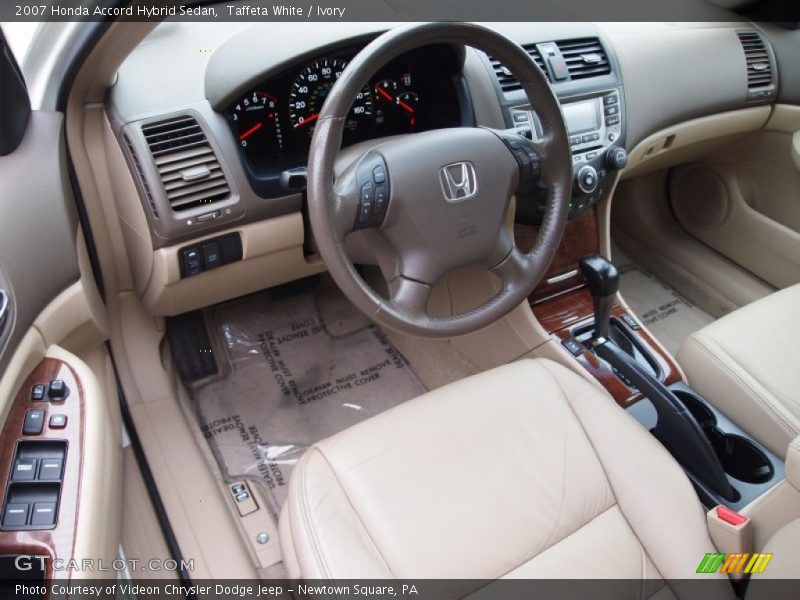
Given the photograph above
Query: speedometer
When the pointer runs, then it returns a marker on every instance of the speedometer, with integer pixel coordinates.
(312, 86)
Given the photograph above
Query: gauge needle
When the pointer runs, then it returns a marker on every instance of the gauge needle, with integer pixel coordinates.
(251, 131)
(384, 93)
(308, 120)
(405, 106)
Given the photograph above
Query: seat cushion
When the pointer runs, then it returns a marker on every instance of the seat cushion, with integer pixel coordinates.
(508, 473)
(784, 547)
(747, 364)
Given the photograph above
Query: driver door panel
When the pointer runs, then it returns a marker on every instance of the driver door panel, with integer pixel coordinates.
(60, 457)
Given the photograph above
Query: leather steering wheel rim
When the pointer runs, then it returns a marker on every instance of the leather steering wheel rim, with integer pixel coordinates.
(333, 207)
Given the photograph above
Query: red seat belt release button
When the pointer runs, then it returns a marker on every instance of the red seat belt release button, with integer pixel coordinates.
(731, 516)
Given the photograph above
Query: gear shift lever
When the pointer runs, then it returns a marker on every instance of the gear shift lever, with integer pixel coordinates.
(602, 278)
(676, 428)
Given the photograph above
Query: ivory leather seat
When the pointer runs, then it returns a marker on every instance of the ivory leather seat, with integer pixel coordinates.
(514, 472)
(747, 364)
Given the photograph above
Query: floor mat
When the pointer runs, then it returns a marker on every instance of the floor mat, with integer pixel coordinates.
(668, 315)
(291, 384)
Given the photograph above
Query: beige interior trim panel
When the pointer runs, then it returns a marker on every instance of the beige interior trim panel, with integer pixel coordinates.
(744, 200)
(692, 140)
(272, 254)
(99, 507)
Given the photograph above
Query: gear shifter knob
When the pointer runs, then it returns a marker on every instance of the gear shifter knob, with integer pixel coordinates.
(602, 278)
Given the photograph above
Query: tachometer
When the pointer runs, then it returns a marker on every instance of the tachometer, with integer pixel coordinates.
(256, 122)
(311, 88)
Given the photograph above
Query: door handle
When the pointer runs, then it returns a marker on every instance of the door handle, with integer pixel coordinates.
(3, 310)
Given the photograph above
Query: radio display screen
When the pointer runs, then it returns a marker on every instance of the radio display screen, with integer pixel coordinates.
(581, 116)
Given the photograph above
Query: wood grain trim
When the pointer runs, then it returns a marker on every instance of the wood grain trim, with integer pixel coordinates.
(581, 237)
(561, 315)
(60, 541)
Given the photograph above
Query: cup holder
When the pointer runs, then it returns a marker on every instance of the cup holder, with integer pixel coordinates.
(740, 458)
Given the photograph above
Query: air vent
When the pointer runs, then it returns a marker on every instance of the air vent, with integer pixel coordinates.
(189, 170)
(759, 67)
(585, 58)
(507, 81)
(140, 172)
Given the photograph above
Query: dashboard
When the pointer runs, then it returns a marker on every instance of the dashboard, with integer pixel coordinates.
(273, 122)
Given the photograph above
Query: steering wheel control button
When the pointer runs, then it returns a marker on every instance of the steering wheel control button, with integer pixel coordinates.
(528, 161)
(57, 421)
(573, 346)
(380, 200)
(58, 390)
(372, 179)
(38, 392)
(34, 422)
(24, 470)
(367, 200)
(50, 469)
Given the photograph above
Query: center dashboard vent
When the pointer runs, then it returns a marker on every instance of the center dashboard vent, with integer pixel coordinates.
(759, 66)
(187, 166)
(506, 79)
(585, 58)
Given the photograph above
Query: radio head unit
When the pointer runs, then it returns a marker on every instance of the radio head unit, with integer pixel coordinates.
(596, 134)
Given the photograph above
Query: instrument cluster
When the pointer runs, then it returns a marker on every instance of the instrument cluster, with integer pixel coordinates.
(273, 123)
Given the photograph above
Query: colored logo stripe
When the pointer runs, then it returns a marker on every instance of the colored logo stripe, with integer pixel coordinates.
(718, 562)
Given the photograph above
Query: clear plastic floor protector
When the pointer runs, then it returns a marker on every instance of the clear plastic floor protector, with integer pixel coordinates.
(292, 384)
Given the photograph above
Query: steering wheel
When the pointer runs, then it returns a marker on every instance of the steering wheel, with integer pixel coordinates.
(438, 199)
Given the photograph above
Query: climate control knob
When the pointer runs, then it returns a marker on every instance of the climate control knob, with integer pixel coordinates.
(586, 179)
(616, 158)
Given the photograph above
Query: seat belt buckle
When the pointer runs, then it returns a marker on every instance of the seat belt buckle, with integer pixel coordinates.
(732, 534)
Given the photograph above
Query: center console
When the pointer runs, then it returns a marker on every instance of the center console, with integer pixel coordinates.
(726, 465)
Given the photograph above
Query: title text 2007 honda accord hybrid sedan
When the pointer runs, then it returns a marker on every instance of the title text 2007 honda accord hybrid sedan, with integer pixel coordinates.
(444, 302)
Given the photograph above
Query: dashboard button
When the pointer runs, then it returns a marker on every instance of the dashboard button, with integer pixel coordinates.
(34, 422)
(610, 99)
(574, 141)
(24, 470)
(612, 120)
(379, 174)
(612, 110)
(191, 261)
(16, 515)
(38, 391)
(212, 255)
(44, 514)
(574, 346)
(58, 389)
